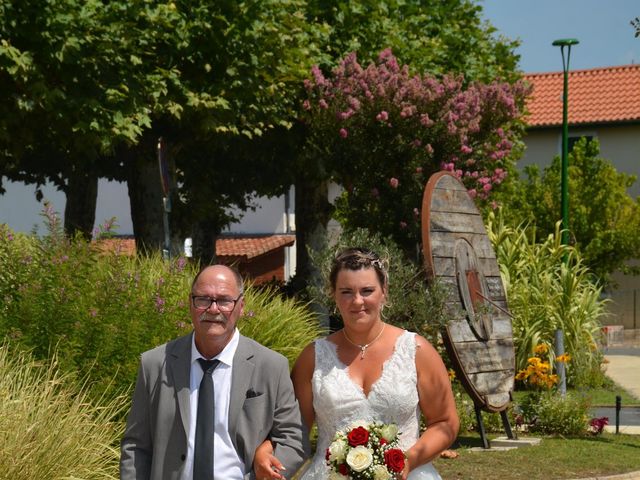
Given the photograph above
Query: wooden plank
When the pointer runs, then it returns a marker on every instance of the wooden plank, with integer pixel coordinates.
(446, 267)
(443, 244)
(460, 331)
(460, 223)
(487, 356)
(453, 201)
(488, 383)
(449, 182)
(498, 401)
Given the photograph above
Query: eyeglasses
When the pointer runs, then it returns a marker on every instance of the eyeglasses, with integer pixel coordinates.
(224, 304)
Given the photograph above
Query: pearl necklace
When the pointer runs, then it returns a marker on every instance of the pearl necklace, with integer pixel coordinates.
(363, 347)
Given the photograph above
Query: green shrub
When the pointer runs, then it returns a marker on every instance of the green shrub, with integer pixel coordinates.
(552, 414)
(49, 428)
(412, 304)
(101, 310)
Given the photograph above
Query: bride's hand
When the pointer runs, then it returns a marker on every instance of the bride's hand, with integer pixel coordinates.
(265, 464)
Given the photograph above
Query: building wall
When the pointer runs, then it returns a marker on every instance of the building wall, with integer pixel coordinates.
(620, 145)
(265, 268)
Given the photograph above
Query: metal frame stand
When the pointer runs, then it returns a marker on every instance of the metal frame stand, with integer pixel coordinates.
(483, 433)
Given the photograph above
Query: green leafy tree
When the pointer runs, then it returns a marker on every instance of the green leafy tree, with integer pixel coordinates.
(91, 86)
(604, 220)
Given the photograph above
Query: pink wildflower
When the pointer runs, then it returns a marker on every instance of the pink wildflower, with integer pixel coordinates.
(344, 133)
(394, 182)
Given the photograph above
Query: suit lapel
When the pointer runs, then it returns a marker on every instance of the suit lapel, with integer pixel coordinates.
(179, 370)
(240, 378)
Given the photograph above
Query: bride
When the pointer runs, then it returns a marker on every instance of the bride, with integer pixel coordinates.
(372, 371)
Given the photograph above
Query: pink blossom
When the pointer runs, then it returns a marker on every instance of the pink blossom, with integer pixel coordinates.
(403, 225)
(473, 193)
(306, 105)
(466, 149)
(417, 143)
(344, 133)
(486, 187)
(459, 173)
(416, 212)
(418, 169)
(429, 148)
(394, 182)
(324, 105)
(383, 116)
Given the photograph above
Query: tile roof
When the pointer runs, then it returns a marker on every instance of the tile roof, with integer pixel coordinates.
(599, 95)
(243, 246)
(251, 246)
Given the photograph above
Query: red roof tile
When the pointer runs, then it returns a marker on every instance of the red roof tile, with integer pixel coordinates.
(251, 246)
(599, 95)
(247, 246)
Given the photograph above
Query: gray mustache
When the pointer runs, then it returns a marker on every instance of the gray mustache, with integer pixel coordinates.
(215, 318)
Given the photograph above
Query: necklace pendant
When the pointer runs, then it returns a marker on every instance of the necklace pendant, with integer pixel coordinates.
(362, 350)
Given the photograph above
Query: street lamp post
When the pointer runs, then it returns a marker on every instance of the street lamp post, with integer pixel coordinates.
(564, 198)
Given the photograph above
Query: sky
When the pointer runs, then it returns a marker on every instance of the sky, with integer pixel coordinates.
(601, 26)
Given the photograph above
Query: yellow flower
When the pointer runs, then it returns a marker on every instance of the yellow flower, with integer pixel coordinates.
(534, 361)
(564, 358)
(541, 348)
(543, 367)
(452, 374)
(522, 374)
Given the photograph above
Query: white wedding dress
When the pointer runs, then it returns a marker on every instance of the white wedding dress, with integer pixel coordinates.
(393, 398)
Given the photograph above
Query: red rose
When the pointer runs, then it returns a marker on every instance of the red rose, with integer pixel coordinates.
(383, 441)
(358, 436)
(343, 469)
(394, 459)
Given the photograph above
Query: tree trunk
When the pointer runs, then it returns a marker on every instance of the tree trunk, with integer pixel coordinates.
(145, 195)
(313, 212)
(80, 210)
(204, 235)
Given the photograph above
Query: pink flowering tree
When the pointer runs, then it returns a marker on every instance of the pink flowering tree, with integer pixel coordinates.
(383, 132)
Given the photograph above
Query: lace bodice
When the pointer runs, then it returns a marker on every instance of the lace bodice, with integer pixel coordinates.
(338, 401)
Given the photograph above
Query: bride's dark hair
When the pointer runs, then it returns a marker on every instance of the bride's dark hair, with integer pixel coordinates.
(358, 258)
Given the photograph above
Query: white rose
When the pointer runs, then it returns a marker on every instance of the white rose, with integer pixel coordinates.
(337, 476)
(380, 472)
(338, 450)
(359, 458)
(389, 432)
(358, 423)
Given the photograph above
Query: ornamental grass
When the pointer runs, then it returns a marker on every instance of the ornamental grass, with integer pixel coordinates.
(49, 428)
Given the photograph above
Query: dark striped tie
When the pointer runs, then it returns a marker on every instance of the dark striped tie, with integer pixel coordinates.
(203, 449)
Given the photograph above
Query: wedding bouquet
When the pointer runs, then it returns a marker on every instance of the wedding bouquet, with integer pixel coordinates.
(365, 451)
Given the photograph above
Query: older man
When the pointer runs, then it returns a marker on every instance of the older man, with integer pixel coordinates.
(246, 389)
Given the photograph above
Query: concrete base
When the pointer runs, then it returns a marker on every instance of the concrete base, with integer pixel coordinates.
(517, 443)
(502, 444)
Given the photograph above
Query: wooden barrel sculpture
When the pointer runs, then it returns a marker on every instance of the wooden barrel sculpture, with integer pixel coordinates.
(458, 254)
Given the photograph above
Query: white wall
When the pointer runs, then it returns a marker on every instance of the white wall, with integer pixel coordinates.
(620, 144)
(20, 210)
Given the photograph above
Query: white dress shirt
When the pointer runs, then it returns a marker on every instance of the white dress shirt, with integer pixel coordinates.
(226, 462)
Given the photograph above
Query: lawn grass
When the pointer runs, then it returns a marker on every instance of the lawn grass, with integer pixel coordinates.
(553, 459)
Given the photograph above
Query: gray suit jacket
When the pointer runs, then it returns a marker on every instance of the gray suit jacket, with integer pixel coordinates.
(262, 404)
